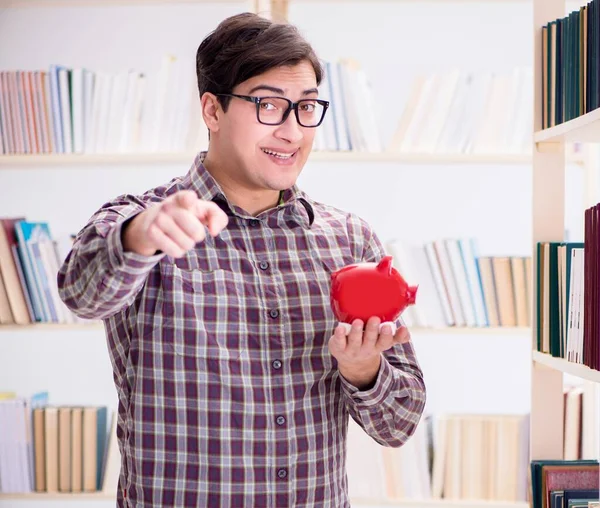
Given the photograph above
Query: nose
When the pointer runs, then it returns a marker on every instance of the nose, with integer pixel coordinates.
(290, 130)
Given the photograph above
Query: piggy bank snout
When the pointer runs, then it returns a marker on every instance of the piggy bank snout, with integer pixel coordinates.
(411, 295)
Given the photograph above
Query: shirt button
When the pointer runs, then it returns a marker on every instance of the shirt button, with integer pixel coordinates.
(254, 222)
(264, 265)
(280, 420)
(276, 364)
(274, 313)
(282, 473)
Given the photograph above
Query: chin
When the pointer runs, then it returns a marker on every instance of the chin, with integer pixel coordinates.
(281, 185)
(282, 180)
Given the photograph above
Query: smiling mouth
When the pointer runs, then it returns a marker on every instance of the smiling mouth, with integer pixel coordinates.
(280, 155)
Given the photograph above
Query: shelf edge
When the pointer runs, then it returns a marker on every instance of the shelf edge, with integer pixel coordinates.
(566, 367)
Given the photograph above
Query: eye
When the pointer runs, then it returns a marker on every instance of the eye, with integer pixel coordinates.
(308, 107)
(267, 106)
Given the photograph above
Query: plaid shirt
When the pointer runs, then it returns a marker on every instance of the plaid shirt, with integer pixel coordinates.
(228, 395)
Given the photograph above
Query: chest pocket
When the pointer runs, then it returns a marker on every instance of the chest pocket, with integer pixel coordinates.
(206, 306)
(210, 310)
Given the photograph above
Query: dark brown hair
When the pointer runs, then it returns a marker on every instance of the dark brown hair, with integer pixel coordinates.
(247, 45)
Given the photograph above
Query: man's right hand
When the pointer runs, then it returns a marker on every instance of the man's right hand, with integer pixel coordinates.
(173, 226)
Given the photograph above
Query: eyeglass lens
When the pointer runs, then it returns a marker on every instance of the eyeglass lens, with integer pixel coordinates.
(272, 109)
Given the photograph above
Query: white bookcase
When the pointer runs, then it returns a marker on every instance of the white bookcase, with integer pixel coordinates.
(549, 197)
(412, 195)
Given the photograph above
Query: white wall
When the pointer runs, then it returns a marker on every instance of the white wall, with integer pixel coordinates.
(392, 41)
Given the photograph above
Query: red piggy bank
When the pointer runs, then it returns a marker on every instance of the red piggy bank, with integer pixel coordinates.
(362, 290)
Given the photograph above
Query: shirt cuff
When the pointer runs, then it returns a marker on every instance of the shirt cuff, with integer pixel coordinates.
(378, 393)
(127, 262)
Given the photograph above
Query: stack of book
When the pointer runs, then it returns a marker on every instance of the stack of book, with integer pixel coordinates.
(351, 122)
(570, 65)
(78, 110)
(29, 262)
(581, 421)
(458, 287)
(468, 457)
(58, 448)
(565, 483)
(567, 296)
(50, 448)
(467, 112)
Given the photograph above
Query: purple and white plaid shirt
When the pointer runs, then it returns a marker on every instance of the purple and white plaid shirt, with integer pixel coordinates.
(228, 395)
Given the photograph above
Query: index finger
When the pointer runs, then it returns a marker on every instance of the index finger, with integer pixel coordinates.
(211, 215)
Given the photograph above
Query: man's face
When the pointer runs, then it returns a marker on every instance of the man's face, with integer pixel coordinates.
(268, 157)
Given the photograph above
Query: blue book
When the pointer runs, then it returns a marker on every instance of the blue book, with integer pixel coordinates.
(577, 494)
(102, 437)
(32, 238)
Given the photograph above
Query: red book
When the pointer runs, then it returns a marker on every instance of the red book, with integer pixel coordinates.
(579, 477)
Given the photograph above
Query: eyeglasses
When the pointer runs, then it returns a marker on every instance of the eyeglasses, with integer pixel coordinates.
(275, 110)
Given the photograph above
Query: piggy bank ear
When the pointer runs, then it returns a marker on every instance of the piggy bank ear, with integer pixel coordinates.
(385, 265)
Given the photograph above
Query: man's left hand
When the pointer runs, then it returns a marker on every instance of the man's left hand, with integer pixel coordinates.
(359, 353)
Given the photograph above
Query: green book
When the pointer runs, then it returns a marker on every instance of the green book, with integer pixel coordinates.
(554, 308)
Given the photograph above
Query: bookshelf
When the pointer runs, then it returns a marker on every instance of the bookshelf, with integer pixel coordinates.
(59, 496)
(584, 129)
(61, 3)
(566, 367)
(335, 160)
(355, 502)
(437, 504)
(51, 326)
(549, 177)
(11, 161)
(451, 330)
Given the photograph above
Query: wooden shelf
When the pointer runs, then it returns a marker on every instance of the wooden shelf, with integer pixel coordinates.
(421, 158)
(566, 366)
(439, 503)
(84, 3)
(47, 496)
(451, 330)
(477, 330)
(76, 161)
(583, 129)
(62, 3)
(404, 503)
(95, 325)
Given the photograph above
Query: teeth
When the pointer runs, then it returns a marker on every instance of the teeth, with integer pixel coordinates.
(278, 155)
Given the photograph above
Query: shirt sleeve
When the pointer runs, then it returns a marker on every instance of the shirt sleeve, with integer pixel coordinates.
(98, 278)
(391, 409)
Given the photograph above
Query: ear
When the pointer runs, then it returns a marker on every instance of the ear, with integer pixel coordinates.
(211, 111)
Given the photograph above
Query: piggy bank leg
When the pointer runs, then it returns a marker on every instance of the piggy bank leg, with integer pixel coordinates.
(392, 326)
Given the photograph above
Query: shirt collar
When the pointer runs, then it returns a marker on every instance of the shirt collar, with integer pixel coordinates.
(208, 189)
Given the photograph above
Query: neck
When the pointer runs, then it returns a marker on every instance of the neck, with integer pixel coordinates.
(239, 193)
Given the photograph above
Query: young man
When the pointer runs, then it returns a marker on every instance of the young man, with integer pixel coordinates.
(235, 385)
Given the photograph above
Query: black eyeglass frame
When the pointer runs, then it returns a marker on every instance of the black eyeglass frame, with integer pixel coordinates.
(291, 106)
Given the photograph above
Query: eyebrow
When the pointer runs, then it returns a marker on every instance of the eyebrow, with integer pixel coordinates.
(279, 90)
